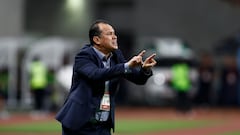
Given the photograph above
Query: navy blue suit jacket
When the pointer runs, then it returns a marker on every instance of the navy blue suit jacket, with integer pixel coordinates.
(88, 82)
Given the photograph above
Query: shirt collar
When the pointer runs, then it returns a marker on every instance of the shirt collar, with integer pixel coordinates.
(101, 55)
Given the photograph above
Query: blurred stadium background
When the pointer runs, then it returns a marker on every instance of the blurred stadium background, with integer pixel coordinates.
(204, 33)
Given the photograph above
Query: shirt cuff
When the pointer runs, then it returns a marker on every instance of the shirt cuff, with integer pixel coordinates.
(126, 68)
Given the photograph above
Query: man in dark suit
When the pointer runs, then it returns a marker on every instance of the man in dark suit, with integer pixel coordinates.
(98, 67)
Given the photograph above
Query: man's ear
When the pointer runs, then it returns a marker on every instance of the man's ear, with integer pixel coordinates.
(96, 40)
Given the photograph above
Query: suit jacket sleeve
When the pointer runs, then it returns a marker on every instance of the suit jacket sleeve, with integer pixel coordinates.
(87, 65)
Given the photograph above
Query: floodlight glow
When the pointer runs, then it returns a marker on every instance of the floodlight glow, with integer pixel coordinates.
(75, 5)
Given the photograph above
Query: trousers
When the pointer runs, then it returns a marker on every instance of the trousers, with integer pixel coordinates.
(102, 128)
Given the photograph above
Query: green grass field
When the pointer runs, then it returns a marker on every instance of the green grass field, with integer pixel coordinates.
(122, 126)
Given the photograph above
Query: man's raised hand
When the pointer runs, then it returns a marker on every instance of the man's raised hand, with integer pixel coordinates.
(149, 62)
(136, 60)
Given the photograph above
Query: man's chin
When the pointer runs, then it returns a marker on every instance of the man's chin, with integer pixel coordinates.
(115, 47)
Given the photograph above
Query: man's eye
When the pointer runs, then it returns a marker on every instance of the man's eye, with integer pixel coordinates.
(111, 33)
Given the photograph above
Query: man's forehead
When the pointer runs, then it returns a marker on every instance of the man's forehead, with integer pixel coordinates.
(105, 27)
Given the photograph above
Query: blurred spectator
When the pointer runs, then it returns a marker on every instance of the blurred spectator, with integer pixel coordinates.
(229, 82)
(206, 72)
(50, 91)
(38, 83)
(182, 84)
(3, 93)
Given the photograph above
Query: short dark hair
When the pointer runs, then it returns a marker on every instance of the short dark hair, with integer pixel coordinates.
(94, 30)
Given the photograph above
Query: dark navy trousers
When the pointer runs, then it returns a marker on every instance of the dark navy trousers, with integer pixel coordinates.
(89, 129)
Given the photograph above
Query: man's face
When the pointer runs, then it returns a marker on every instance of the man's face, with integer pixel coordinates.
(108, 39)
